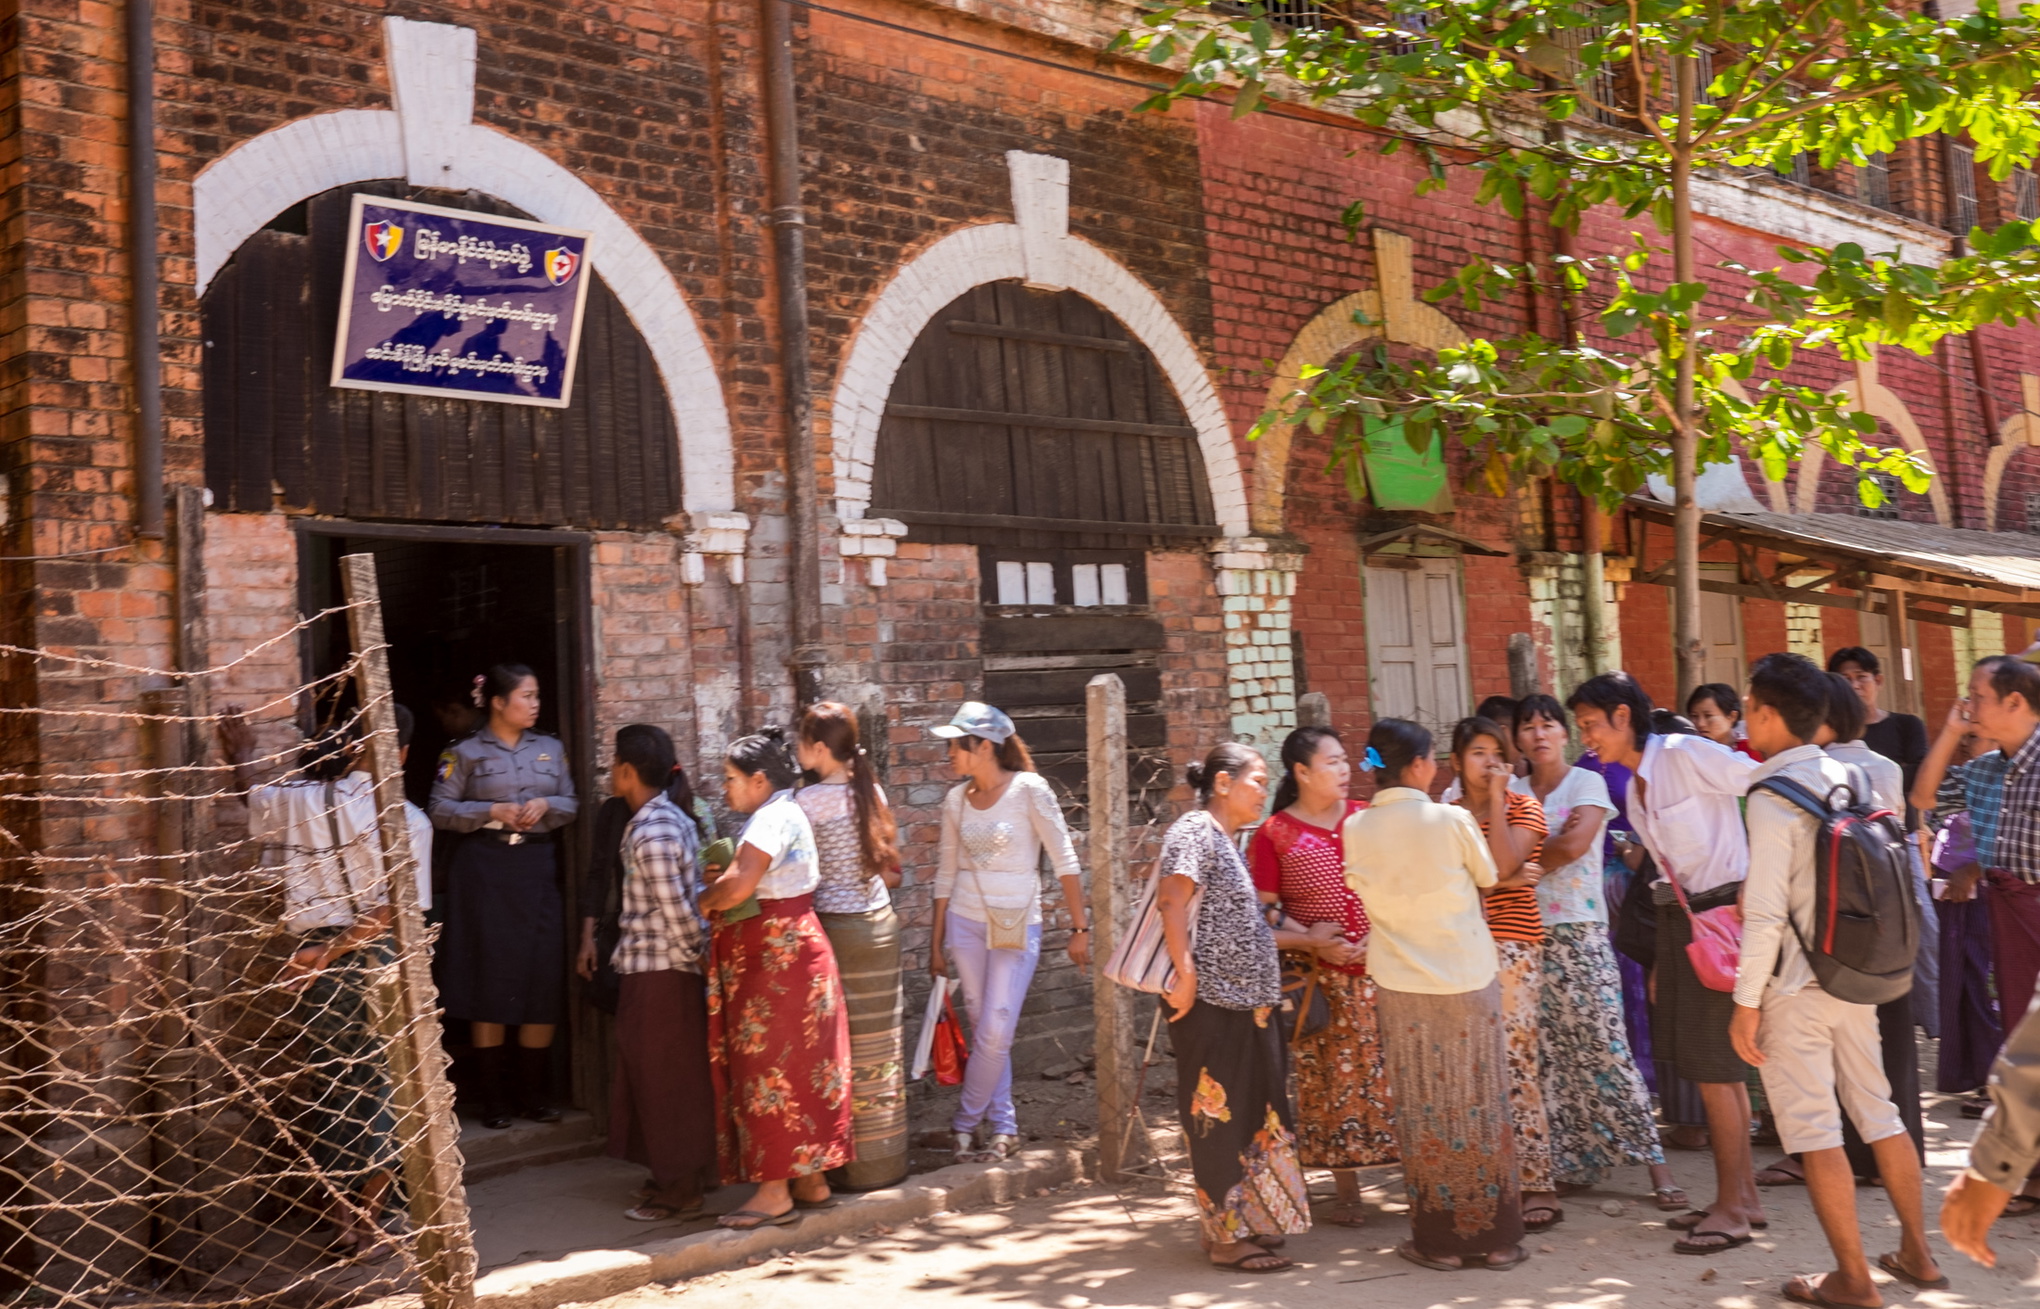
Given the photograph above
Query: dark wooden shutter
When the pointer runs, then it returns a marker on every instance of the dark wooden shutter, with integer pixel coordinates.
(275, 429)
(1033, 418)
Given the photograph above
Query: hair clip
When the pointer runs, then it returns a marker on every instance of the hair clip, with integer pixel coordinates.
(1373, 760)
(476, 694)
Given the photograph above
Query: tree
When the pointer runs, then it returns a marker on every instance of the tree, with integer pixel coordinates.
(1573, 106)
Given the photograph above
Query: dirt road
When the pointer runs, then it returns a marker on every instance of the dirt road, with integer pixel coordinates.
(1089, 1246)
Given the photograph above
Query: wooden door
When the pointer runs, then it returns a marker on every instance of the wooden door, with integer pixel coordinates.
(1416, 640)
(1721, 635)
(1034, 418)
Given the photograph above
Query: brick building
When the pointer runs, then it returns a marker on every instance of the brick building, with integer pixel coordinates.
(1041, 324)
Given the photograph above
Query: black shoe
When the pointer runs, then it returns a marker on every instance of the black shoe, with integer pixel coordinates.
(495, 1118)
(539, 1113)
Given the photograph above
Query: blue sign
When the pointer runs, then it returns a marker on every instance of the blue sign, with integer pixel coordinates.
(450, 303)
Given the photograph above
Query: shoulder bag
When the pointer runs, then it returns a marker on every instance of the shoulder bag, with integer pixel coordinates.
(1141, 962)
(1716, 948)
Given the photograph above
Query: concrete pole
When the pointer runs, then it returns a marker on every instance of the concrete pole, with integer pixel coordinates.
(1117, 1047)
(410, 1026)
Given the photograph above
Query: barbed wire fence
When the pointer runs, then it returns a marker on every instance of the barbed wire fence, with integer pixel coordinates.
(190, 1114)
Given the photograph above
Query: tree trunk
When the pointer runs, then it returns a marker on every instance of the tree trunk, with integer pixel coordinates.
(1685, 438)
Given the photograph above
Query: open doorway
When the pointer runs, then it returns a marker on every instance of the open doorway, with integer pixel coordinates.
(455, 601)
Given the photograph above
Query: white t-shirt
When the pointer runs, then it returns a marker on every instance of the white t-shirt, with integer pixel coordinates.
(781, 832)
(1574, 893)
(298, 821)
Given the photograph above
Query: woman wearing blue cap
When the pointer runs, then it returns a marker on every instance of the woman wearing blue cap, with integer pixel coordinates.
(988, 907)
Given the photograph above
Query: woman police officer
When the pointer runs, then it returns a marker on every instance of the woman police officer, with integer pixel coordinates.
(502, 960)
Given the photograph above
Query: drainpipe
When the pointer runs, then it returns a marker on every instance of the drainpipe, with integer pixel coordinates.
(789, 249)
(148, 352)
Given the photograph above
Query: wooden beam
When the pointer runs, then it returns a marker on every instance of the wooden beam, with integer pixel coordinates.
(1050, 422)
(1024, 523)
(1000, 330)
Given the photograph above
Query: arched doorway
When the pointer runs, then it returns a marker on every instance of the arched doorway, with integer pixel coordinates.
(1034, 426)
(480, 515)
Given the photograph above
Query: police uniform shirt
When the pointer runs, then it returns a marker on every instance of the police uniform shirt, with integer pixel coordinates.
(481, 771)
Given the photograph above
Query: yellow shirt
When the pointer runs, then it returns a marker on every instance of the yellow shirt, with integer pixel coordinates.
(1419, 867)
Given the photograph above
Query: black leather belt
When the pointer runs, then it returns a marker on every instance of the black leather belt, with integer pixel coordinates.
(501, 837)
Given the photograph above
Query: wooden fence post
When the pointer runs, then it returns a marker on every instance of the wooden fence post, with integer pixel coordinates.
(423, 1096)
(1116, 1044)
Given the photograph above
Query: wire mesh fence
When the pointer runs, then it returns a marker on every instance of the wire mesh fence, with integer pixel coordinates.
(221, 1075)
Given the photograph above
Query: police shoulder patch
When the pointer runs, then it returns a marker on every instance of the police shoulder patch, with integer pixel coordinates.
(445, 763)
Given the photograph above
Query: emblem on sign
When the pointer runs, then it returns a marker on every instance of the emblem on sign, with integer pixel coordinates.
(560, 266)
(383, 240)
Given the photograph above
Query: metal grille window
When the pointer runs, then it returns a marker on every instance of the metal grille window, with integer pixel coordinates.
(1962, 211)
(2026, 193)
(1800, 170)
(2033, 511)
(1416, 23)
(1873, 181)
(1703, 74)
(1892, 489)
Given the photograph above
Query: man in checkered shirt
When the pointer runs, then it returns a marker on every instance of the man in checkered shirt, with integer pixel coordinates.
(2004, 703)
(662, 1101)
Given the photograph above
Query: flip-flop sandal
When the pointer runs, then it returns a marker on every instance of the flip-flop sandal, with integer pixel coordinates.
(2021, 1205)
(1246, 1263)
(1553, 1217)
(1670, 1199)
(1409, 1251)
(1890, 1264)
(750, 1220)
(1522, 1256)
(660, 1213)
(826, 1202)
(1691, 1244)
(1780, 1177)
(1692, 1218)
(1811, 1295)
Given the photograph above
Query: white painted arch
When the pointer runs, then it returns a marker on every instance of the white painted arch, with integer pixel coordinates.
(994, 252)
(430, 139)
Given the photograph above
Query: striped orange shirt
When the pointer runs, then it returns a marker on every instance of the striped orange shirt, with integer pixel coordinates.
(1512, 913)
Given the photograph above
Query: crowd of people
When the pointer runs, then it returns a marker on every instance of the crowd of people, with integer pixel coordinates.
(1511, 989)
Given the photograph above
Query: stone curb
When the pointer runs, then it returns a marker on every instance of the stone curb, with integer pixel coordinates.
(595, 1274)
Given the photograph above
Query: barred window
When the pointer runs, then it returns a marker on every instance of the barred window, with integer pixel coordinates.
(1800, 170)
(1962, 210)
(2026, 193)
(2033, 511)
(1892, 488)
(1873, 181)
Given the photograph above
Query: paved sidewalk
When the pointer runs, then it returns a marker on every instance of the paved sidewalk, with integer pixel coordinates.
(556, 1234)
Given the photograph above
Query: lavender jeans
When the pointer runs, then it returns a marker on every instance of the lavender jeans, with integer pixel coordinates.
(995, 986)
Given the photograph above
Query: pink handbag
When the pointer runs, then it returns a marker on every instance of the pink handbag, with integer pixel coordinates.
(1716, 948)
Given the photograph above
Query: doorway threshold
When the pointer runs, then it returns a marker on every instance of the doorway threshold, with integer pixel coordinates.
(490, 1152)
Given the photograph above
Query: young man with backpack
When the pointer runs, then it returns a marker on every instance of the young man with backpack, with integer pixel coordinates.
(1806, 994)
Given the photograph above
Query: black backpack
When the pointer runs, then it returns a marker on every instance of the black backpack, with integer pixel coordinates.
(1866, 925)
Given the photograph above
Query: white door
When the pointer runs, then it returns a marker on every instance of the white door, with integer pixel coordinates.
(1721, 630)
(1416, 642)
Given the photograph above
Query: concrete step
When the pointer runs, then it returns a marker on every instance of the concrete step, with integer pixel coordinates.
(492, 1153)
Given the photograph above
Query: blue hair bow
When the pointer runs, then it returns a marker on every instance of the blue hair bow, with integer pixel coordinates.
(1373, 759)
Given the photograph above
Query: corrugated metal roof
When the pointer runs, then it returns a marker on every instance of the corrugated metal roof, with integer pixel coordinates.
(2003, 559)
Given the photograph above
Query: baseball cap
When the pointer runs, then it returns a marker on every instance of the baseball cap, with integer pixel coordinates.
(976, 719)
